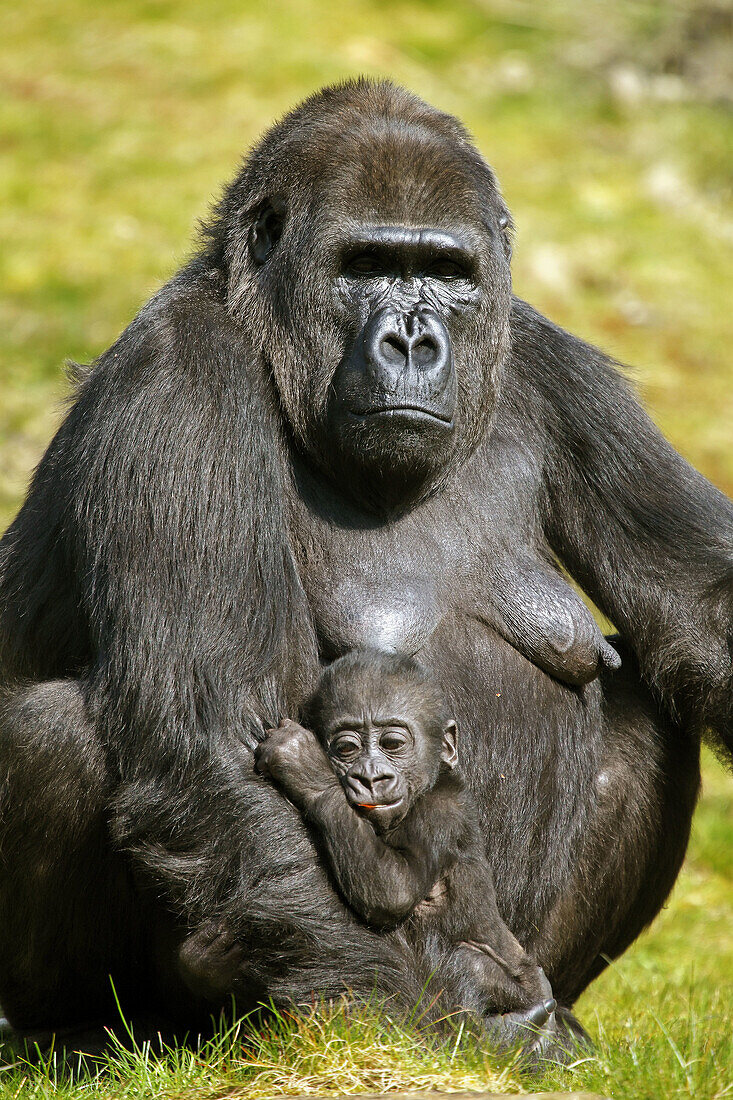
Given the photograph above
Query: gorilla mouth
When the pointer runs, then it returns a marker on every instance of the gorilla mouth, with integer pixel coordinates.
(378, 805)
(409, 412)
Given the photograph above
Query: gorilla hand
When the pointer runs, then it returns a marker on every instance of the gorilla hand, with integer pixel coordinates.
(282, 749)
(209, 961)
(293, 759)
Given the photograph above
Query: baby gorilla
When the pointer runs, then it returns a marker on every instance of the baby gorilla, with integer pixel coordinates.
(399, 829)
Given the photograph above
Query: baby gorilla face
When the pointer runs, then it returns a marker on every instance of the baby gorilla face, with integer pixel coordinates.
(386, 760)
(386, 728)
(378, 767)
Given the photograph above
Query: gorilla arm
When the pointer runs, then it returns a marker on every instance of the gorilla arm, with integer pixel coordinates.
(174, 527)
(162, 498)
(646, 536)
(380, 880)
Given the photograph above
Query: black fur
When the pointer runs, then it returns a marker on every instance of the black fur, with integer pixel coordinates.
(206, 525)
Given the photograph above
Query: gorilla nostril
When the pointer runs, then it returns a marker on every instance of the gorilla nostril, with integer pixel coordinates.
(424, 352)
(393, 349)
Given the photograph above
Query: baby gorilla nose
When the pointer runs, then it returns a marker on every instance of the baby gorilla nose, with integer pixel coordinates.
(368, 785)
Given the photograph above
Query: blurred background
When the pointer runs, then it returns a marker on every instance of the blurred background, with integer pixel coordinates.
(609, 125)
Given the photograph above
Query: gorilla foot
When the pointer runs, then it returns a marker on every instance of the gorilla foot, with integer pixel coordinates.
(531, 1030)
(542, 1033)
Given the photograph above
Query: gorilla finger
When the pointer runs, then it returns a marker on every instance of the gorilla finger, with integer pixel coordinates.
(262, 764)
(515, 1027)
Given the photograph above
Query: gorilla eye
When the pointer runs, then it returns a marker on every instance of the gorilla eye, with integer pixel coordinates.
(364, 263)
(447, 269)
(393, 741)
(345, 747)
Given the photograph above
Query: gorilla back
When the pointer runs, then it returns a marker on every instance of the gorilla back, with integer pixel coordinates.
(335, 427)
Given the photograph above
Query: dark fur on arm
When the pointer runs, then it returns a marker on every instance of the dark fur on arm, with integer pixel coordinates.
(190, 607)
(647, 537)
(382, 878)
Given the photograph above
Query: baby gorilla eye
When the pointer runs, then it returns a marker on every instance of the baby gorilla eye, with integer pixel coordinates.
(345, 747)
(393, 741)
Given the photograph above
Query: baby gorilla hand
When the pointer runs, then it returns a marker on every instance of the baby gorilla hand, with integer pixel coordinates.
(284, 750)
(292, 757)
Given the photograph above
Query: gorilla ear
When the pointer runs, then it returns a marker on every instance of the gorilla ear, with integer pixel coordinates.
(266, 230)
(449, 751)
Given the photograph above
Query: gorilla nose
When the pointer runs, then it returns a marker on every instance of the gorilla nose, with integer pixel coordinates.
(407, 351)
(371, 785)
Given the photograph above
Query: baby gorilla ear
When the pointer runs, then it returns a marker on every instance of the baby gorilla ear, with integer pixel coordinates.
(449, 751)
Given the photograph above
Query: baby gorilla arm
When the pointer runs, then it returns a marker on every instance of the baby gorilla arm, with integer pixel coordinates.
(380, 882)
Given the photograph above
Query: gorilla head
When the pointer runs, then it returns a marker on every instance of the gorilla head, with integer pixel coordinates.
(386, 729)
(367, 239)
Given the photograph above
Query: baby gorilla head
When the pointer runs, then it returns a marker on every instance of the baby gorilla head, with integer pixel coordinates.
(386, 729)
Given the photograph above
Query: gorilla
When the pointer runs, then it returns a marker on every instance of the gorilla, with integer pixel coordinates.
(337, 428)
(374, 777)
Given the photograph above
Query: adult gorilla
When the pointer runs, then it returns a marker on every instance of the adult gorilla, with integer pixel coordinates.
(336, 427)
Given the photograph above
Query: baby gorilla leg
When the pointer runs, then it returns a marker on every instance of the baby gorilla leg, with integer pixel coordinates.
(482, 966)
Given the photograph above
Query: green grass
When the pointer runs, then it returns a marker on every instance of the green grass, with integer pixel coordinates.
(118, 123)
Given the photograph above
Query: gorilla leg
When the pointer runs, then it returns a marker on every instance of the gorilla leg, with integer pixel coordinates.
(68, 915)
(635, 842)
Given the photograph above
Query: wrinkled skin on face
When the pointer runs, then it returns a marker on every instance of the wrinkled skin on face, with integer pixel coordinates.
(402, 304)
(385, 760)
(394, 392)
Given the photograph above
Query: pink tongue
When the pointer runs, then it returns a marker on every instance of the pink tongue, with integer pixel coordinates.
(367, 805)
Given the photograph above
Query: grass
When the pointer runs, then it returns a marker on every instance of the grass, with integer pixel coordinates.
(118, 123)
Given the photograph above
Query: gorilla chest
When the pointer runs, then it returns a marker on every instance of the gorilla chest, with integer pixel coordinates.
(405, 586)
(384, 588)
(396, 612)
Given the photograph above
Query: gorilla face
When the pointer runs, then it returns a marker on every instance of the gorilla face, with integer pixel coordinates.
(392, 405)
(378, 261)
